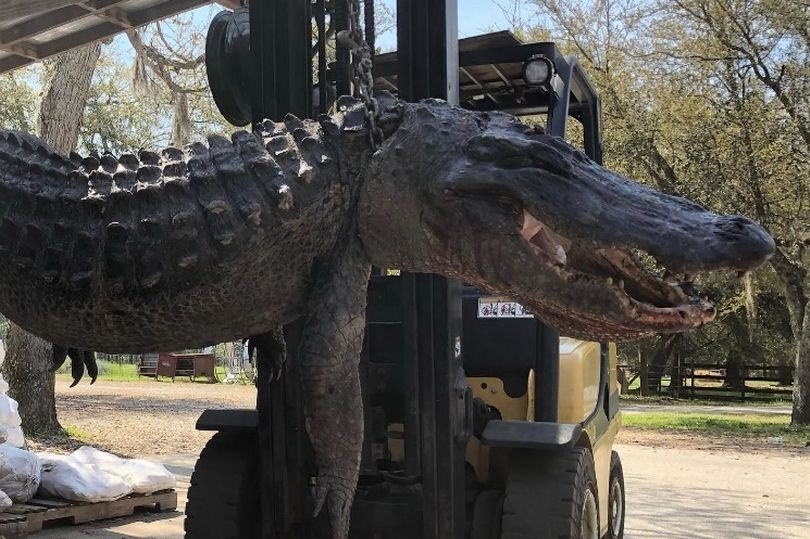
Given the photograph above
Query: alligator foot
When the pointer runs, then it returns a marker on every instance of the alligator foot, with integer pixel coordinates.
(331, 342)
(337, 493)
(273, 350)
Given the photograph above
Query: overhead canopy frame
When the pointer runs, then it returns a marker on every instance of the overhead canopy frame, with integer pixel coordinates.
(32, 30)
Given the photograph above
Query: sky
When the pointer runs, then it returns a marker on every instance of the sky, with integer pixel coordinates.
(475, 17)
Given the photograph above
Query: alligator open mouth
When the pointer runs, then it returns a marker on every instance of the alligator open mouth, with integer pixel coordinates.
(669, 295)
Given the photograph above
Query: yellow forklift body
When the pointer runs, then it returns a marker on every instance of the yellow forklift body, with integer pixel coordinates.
(580, 375)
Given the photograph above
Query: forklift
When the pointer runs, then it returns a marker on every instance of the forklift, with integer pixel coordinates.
(481, 422)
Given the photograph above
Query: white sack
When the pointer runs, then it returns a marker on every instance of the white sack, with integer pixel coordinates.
(9, 412)
(15, 437)
(5, 501)
(19, 473)
(3, 384)
(142, 476)
(65, 477)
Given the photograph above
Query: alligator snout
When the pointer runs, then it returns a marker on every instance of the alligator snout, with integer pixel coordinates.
(743, 244)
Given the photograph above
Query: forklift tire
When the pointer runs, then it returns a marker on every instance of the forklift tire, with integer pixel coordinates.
(616, 505)
(551, 495)
(486, 520)
(223, 499)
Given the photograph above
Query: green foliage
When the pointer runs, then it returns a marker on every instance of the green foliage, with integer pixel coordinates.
(708, 99)
(116, 118)
(122, 116)
(19, 98)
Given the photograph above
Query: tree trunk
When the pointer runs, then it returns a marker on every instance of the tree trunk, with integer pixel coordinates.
(60, 112)
(665, 346)
(28, 358)
(27, 369)
(734, 371)
(801, 387)
(676, 381)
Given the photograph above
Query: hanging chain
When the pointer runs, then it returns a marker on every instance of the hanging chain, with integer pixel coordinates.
(362, 63)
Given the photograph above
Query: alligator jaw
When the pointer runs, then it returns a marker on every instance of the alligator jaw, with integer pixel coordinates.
(671, 304)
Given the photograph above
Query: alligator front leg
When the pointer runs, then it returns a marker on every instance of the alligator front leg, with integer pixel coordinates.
(329, 354)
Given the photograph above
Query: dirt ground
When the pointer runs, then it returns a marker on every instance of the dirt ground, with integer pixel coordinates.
(678, 485)
(145, 417)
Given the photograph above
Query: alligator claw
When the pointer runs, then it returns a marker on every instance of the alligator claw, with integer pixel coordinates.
(90, 364)
(339, 493)
(59, 356)
(76, 365)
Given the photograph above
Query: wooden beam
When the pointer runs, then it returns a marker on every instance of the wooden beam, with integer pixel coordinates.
(230, 4)
(28, 50)
(83, 37)
(15, 9)
(115, 15)
(102, 4)
(8, 63)
(163, 10)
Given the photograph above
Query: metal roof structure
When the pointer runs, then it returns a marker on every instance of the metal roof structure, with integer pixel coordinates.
(490, 73)
(32, 30)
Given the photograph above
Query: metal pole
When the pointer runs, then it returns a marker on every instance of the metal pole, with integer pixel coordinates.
(427, 56)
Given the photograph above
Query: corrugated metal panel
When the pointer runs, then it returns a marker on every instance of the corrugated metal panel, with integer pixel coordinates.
(24, 40)
(67, 29)
(11, 22)
(137, 5)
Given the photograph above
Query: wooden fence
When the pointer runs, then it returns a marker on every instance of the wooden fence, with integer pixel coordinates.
(710, 381)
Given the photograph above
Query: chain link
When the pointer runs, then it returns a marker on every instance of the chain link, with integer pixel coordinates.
(362, 64)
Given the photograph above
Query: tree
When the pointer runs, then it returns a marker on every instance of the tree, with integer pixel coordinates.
(709, 99)
(760, 52)
(170, 68)
(28, 365)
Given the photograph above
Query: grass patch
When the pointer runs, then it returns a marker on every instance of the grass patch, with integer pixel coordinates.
(77, 433)
(739, 426)
(672, 401)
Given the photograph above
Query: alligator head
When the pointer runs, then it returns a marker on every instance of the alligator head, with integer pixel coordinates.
(487, 200)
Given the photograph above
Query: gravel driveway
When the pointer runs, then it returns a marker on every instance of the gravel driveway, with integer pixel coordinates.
(678, 486)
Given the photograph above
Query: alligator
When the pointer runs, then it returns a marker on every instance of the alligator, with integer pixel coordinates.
(188, 247)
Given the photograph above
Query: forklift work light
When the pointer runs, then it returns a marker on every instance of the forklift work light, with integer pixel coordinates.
(538, 70)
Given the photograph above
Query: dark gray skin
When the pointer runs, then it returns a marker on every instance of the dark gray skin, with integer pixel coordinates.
(79, 360)
(239, 237)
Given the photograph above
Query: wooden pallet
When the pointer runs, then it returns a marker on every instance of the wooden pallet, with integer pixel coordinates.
(21, 519)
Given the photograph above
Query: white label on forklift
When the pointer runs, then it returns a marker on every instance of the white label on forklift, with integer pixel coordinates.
(494, 307)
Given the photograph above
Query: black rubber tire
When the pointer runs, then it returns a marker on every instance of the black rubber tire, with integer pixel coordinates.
(224, 499)
(616, 475)
(545, 494)
(486, 520)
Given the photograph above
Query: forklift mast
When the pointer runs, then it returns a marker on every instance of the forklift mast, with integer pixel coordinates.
(412, 369)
